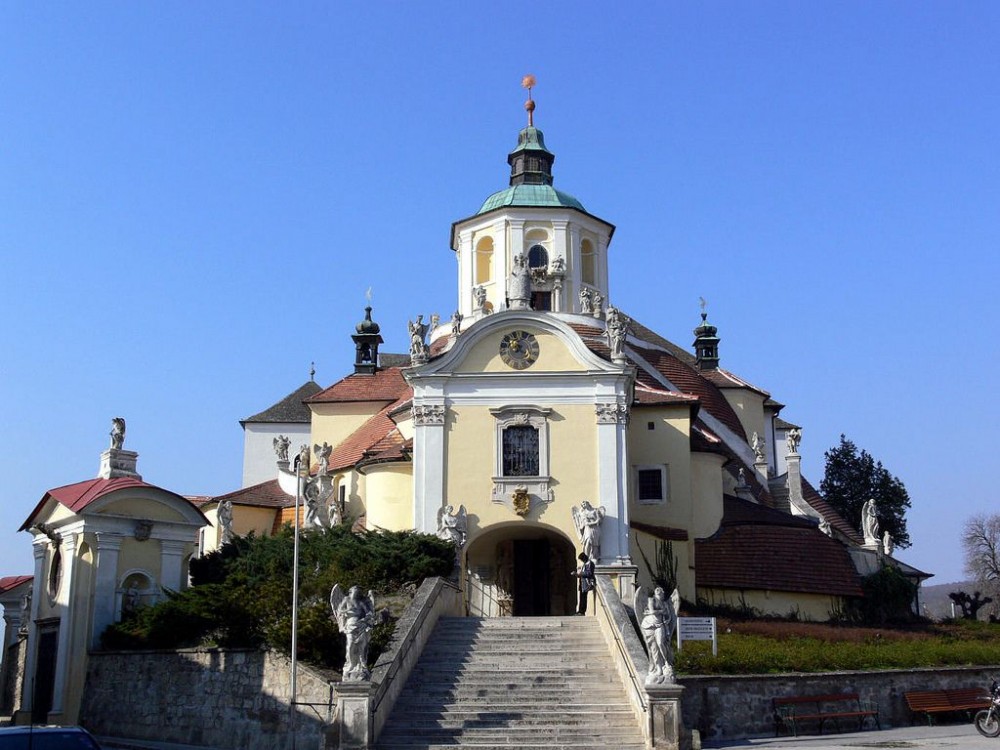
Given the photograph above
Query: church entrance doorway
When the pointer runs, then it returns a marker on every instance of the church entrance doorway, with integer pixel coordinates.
(520, 571)
(45, 673)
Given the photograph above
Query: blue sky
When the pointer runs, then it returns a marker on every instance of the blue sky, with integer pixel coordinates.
(194, 198)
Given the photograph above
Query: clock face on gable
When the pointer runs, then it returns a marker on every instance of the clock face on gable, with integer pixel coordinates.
(519, 349)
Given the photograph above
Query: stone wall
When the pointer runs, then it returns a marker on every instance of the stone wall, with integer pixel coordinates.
(738, 707)
(213, 697)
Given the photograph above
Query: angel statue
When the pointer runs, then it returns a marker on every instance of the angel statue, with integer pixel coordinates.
(323, 453)
(355, 616)
(225, 518)
(869, 522)
(657, 617)
(281, 445)
(453, 527)
(587, 520)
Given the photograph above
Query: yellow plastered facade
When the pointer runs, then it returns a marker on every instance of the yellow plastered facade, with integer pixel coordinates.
(334, 423)
(390, 487)
(553, 356)
(810, 607)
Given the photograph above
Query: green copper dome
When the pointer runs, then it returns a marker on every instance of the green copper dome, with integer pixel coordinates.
(530, 195)
(530, 177)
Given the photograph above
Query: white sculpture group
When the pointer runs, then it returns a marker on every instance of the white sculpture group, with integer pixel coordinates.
(453, 526)
(657, 616)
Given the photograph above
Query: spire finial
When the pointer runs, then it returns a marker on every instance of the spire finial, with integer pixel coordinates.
(312, 371)
(703, 305)
(528, 82)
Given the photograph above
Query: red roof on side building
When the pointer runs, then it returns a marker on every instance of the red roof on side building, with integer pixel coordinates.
(761, 549)
(377, 434)
(382, 385)
(78, 496)
(264, 495)
(12, 582)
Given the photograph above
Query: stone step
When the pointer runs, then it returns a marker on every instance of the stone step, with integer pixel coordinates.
(417, 743)
(604, 694)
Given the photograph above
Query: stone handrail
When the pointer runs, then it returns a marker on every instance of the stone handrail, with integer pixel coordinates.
(434, 598)
(626, 649)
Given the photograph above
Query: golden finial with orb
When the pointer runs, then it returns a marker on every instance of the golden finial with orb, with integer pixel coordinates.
(528, 82)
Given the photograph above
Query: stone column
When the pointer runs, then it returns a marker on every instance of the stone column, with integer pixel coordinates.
(560, 249)
(172, 564)
(664, 729)
(428, 465)
(796, 502)
(574, 271)
(355, 720)
(466, 274)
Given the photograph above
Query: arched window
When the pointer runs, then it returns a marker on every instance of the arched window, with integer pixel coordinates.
(538, 257)
(484, 260)
(588, 262)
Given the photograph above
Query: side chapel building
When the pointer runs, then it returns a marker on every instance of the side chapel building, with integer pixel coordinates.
(536, 396)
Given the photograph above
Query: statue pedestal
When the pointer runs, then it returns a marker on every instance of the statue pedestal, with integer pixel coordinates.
(353, 727)
(117, 463)
(664, 731)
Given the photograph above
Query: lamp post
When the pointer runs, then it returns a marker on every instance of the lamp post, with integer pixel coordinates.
(295, 596)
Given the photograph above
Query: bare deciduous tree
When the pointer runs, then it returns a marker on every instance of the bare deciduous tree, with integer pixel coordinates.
(981, 542)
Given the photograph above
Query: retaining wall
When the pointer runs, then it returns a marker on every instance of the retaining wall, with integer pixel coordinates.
(739, 707)
(213, 697)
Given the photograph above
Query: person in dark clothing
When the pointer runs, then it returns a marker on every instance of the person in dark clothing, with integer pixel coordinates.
(585, 574)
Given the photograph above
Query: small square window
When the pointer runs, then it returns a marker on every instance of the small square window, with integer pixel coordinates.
(651, 484)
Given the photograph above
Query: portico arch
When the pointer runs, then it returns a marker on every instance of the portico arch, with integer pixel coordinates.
(520, 569)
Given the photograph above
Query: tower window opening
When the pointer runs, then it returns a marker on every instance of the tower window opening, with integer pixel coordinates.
(484, 260)
(541, 301)
(588, 263)
(538, 257)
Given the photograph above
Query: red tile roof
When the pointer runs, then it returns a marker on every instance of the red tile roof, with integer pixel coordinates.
(688, 380)
(264, 495)
(653, 396)
(725, 379)
(383, 385)
(12, 582)
(758, 548)
(78, 496)
(378, 433)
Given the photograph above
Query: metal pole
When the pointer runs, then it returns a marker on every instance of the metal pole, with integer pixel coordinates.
(295, 599)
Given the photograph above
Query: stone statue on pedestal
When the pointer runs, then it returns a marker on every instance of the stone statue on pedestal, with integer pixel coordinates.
(281, 445)
(117, 433)
(617, 330)
(794, 437)
(657, 617)
(758, 445)
(869, 522)
(453, 527)
(355, 616)
(587, 520)
(519, 285)
(418, 334)
(225, 516)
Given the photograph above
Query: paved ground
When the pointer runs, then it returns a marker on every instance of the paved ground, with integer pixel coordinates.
(962, 736)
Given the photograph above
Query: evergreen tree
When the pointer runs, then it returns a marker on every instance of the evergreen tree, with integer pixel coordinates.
(852, 477)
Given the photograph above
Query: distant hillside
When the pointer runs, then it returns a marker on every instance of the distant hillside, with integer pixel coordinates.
(935, 604)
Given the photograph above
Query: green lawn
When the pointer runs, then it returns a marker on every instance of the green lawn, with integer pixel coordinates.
(761, 647)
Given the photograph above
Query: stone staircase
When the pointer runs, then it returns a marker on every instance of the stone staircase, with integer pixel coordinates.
(514, 683)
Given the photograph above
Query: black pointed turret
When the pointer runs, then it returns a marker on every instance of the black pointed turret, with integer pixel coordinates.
(706, 345)
(530, 162)
(366, 342)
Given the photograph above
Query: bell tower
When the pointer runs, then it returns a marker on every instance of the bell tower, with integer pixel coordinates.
(531, 246)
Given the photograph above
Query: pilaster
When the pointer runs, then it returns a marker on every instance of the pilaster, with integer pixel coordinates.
(38, 549)
(428, 465)
(64, 606)
(574, 270)
(612, 468)
(105, 583)
(172, 564)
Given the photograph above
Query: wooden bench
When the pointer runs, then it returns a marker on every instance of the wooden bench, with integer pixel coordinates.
(790, 712)
(931, 702)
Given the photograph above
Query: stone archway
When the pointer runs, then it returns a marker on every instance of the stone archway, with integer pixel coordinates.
(520, 570)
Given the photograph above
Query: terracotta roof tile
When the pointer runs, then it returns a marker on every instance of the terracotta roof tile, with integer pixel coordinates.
(652, 396)
(264, 495)
(383, 385)
(291, 408)
(725, 379)
(758, 548)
